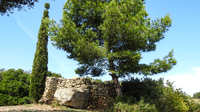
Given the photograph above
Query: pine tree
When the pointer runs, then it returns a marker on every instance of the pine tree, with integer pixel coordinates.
(8, 6)
(40, 69)
(111, 36)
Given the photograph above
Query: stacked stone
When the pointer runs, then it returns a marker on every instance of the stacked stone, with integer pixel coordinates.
(100, 93)
(50, 88)
(74, 83)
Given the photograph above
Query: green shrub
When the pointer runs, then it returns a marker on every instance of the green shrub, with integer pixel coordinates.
(1, 72)
(3, 101)
(172, 100)
(193, 106)
(196, 95)
(15, 83)
(121, 106)
(10, 100)
(25, 100)
(52, 74)
(96, 80)
(146, 88)
(126, 99)
(177, 100)
(165, 98)
(14, 87)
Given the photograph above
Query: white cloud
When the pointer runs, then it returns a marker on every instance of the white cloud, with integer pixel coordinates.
(59, 62)
(189, 82)
(21, 24)
(34, 39)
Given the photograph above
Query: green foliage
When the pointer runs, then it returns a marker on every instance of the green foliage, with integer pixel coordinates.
(8, 6)
(106, 36)
(55, 103)
(11, 100)
(14, 87)
(121, 105)
(51, 74)
(96, 80)
(40, 69)
(47, 5)
(164, 98)
(25, 100)
(196, 95)
(15, 83)
(146, 88)
(173, 99)
(193, 106)
(1, 71)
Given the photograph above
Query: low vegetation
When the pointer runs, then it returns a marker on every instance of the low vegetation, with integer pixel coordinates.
(14, 86)
(196, 95)
(140, 95)
(148, 95)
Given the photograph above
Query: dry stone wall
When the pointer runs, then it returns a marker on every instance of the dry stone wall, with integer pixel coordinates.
(100, 93)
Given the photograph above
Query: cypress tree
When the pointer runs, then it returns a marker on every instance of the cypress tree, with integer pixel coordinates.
(40, 69)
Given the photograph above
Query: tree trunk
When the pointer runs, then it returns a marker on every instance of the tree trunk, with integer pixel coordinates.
(117, 85)
(115, 79)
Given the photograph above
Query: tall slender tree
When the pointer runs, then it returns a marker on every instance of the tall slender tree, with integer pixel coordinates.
(40, 69)
(111, 35)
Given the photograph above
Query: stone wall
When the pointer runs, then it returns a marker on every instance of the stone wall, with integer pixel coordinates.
(100, 93)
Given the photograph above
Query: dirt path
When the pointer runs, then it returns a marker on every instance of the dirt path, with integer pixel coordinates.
(38, 108)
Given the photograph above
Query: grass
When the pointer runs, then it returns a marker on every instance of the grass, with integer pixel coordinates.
(68, 109)
(27, 105)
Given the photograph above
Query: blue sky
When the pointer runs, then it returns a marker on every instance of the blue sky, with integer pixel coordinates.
(18, 38)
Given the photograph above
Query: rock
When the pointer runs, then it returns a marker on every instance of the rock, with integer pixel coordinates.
(74, 78)
(41, 101)
(93, 81)
(73, 97)
(76, 86)
(94, 86)
(78, 82)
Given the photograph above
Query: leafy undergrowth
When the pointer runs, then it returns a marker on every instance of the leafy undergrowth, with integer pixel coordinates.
(147, 95)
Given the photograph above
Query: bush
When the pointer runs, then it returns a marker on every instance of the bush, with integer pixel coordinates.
(1, 72)
(25, 100)
(143, 88)
(193, 106)
(196, 95)
(14, 87)
(125, 104)
(152, 92)
(3, 101)
(51, 74)
(96, 80)
(172, 100)
(15, 83)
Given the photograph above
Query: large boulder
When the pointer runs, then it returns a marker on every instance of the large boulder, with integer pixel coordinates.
(73, 97)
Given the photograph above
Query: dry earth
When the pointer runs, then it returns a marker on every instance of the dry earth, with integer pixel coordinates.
(38, 108)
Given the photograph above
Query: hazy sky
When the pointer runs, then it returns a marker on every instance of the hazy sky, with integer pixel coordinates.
(19, 31)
